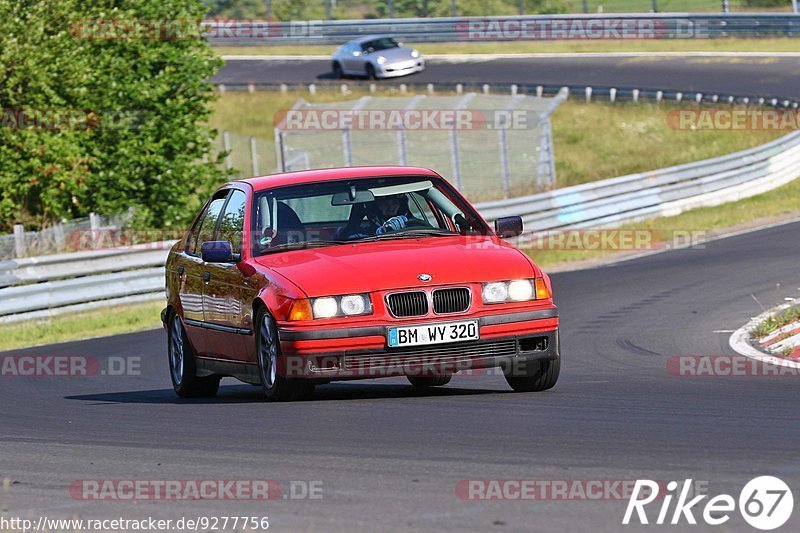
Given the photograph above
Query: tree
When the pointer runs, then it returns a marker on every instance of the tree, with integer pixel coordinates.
(118, 94)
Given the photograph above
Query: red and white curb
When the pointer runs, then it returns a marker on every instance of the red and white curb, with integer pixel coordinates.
(777, 341)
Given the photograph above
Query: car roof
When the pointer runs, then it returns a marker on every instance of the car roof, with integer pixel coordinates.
(331, 174)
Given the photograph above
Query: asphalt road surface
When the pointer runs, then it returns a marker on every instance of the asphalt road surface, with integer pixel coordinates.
(777, 77)
(389, 457)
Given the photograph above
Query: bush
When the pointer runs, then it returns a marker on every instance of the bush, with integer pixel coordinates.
(136, 107)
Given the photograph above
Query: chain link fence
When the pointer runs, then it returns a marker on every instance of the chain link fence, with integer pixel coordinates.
(489, 146)
(92, 232)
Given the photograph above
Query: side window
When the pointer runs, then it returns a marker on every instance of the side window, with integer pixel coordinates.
(421, 208)
(231, 224)
(209, 222)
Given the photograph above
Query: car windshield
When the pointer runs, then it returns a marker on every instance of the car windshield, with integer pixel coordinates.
(348, 211)
(384, 43)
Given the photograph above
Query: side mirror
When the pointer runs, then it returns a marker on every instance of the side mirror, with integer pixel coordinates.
(508, 227)
(217, 252)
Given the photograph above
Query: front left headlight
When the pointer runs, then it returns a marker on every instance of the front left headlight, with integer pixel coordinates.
(415, 53)
(381, 60)
(518, 290)
(337, 306)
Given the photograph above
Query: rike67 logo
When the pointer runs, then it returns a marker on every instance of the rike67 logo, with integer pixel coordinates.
(765, 502)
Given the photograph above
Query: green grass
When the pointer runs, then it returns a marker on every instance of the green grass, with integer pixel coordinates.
(776, 321)
(95, 323)
(550, 47)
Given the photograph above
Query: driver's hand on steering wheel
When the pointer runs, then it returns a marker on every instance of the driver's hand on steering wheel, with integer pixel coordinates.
(393, 224)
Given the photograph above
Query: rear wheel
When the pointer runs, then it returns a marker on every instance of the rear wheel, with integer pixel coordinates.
(538, 376)
(430, 381)
(276, 388)
(337, 71)
(182, 366)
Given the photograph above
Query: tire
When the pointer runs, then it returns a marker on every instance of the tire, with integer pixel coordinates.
(430, 381)
(371, 72)
(182, 366)
(540, 376)
(337, 71)
(268, 351)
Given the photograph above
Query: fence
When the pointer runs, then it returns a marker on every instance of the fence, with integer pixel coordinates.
(605, 203)
(494, 146)
(77, 234)
(504, 29)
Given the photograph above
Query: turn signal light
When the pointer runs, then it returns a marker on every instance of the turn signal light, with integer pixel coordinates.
(301, 310)
(541, 289)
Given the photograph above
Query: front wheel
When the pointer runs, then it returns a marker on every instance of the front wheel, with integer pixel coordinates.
(371, 72)
(276, 388)
(538, 376)
(182, 365)
(337, 71)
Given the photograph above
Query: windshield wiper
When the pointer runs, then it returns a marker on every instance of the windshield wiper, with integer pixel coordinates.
(410, 234)
(301, 245)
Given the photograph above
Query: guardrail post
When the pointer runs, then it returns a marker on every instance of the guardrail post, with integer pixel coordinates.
(343, 88)
(284, 88)
(659, 96)
(221, 88)
(698, 97)
(459, 88)
(312, 89)
(372, 87)
(588, 95)
(403, 88)
(514, 89)
(678, 97)
(635, 95)
(251, 88)
(20, 246)
(612, 95)
(485, 88)
(539, 91)
(430, 88)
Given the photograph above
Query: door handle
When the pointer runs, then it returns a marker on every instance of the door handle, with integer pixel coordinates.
(206, 276)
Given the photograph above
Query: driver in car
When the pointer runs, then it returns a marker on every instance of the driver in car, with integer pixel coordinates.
(384, 215)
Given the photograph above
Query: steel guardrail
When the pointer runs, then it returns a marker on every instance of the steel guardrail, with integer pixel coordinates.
(69, 280)
(506, 28)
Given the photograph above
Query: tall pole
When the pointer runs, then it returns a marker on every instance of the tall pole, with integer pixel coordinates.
(655, 6)
(585, 6)
(269, 9)
(794, 6)
(455, 9)
(390, 8)
(726, 6)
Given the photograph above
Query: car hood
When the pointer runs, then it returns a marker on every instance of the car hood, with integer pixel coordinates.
(395, 54)
(373, 266)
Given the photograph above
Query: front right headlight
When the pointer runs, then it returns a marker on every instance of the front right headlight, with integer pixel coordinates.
(518, 290)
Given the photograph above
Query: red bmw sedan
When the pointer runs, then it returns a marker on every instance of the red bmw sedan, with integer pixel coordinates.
(292, 280)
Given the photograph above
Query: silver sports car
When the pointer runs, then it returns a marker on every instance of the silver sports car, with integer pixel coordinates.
(376, 56)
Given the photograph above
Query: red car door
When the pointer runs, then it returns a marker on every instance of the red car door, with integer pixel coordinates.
(225, 289)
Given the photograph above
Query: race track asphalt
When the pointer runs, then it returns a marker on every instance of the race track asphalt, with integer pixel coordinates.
(777, 77)
(389, 457)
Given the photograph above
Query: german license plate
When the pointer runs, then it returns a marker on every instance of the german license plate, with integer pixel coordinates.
(439, 333)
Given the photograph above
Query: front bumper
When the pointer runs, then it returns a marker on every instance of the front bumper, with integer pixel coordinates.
(510, 342)
(391, 71)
